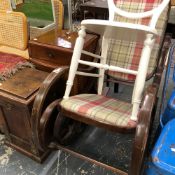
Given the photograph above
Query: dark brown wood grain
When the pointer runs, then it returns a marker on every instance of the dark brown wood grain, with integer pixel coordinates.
(17, 95)
(41, 117)
(47, 54)
(145, 118)
(52, 88)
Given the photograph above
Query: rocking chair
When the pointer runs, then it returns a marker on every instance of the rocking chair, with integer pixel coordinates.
(136, 28)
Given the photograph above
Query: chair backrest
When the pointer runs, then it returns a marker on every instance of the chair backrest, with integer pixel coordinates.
(5, 5)
(58, 11)
(146, 31)
(13, 29)
(127, 54)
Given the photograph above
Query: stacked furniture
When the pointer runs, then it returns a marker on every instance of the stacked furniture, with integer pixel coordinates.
(21, 81)
(133, 35)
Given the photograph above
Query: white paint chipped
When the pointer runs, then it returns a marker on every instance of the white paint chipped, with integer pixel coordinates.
(21, 167)
(4, 159)
(83, 172)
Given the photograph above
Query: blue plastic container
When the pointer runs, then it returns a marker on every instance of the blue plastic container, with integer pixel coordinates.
(169, 113)
(163, 154)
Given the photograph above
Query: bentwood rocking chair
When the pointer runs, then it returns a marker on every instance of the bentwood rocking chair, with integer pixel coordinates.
(130, 31)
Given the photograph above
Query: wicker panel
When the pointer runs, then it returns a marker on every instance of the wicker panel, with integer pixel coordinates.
(22, 53)
(58, 17)
(58, 13)
(35, 31)
(13, 29)
(5, 5)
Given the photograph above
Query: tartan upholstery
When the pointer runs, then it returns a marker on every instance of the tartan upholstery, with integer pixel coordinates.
(127, 54)
(101, 109)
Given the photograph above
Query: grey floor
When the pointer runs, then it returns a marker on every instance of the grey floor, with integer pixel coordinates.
(97, 143)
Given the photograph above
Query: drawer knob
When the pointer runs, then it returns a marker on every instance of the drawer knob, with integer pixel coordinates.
(8, 107)
(50, 55)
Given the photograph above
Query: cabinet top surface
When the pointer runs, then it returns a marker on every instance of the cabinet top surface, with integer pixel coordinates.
(61, 38)
(24, 83)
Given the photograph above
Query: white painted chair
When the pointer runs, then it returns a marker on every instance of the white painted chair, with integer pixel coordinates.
(124, 31)
(99, 110)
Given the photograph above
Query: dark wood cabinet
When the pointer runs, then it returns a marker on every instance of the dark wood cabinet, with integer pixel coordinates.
(17, 95)
(55, 49)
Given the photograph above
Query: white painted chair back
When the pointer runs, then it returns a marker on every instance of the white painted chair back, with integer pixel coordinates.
(154, 13)
(127, 54)
(118, 30)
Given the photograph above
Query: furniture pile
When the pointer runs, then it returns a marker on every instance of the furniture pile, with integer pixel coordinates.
(133, 50)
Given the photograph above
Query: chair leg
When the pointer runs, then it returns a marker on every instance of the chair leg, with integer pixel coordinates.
(107, 82)
(104, 53)
(141, 76)
(75, 59)
(66, 130)
(116, 87)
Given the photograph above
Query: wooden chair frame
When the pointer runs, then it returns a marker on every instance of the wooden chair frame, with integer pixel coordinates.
(43, 120)
(105, 28)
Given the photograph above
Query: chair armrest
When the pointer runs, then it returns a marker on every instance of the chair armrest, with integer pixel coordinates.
(163, 54)
(145, 119)
(51, 89)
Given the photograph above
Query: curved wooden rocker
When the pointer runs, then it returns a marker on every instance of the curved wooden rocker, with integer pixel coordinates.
(54, 131)
(45, 110)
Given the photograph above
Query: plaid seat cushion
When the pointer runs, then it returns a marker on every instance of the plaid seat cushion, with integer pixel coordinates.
(127, 54)
(100, 108)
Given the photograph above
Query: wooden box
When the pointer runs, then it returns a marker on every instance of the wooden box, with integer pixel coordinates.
(17, 95)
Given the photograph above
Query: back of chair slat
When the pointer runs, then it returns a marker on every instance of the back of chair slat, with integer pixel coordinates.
(13, 30)
(127, 54)
(5, 5)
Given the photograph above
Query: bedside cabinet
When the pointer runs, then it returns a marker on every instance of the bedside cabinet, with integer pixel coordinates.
(55, 48)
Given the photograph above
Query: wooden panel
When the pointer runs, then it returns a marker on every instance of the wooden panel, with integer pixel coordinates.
(27, 86)
(50, 54)
(55, 49)
(17, 122)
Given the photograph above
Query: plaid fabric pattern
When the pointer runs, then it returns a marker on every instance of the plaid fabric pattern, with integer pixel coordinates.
(100, 108)
(127, 54)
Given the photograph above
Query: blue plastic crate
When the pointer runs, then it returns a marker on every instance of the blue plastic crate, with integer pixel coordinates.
(163, 154)
(169, 113)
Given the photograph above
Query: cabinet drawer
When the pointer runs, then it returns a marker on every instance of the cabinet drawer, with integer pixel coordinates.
(57, 56)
